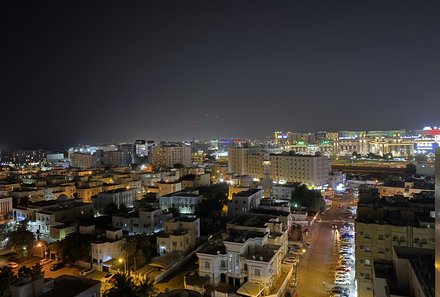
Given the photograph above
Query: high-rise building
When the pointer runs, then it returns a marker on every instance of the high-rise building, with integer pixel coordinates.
(245, 161)
(169, 154)
(308, 169)
(141, 148)
(23, 157)
(84, 160)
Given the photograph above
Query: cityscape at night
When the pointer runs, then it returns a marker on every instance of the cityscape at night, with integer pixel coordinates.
(220, 148)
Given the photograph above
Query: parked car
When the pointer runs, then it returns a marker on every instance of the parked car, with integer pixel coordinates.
(45, 261)
(85, 272)
(342, 282)
(12, 265)
(308, 245)
(57, 266)
(107, 278)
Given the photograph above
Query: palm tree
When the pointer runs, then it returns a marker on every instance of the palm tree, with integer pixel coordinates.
(146, 289)
(124, 286)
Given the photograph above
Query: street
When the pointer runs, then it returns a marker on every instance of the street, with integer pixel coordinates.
(316, 269)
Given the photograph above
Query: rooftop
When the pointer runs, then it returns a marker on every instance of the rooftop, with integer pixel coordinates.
(70, 286)
(241, 236)
(258, 221)
(263, 253)
(247, 193)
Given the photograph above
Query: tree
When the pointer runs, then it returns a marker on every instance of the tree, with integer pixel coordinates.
(178, 166)
(111, 208)
(310, 199)
(124, 286)
(6, 279)
(214, 198)
(123, 208)
(21, 240)
(137, 250)
(146, 289)
(74, 247)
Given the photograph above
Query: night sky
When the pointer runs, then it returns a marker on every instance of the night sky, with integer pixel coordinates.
(81, 72)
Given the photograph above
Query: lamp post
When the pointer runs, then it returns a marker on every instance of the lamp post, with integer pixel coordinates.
(43, 245)
(125, 264)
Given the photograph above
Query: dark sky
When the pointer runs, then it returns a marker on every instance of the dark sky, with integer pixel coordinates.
(87, 71)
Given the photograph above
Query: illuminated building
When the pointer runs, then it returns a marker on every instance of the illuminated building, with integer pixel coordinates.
(249, 257)
(185, 202)
(84, 160)
(243, 160)
(308, 169)
(22, 157)
(169, 154)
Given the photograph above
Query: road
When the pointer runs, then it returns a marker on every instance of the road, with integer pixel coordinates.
(318, 263)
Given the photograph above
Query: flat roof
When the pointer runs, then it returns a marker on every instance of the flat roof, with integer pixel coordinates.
(70, 286)
(250, 220)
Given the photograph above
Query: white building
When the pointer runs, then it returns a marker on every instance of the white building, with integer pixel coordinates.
(108, 248)
(244, 201)
(249, 257)
(181, 235)
(118, 197)
(144, 220)
(48, 217)
(5, 207)
(311, 170)
(239, 159)
(184, 201)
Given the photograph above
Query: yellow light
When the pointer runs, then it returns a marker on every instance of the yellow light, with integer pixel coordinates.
(39, 244)
(303, 250)
(121, 260)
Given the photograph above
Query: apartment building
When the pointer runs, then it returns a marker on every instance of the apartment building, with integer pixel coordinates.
(248, 256)
(244, 161)
(147, 220)
(47, 217)
(243, 202)
(168, 154)
(386, 222)
(405, 188)
(107, 248)
(308, 169)
(181, 235)
(184, 201)
(409, 273)
(83, 160)
(118, 197)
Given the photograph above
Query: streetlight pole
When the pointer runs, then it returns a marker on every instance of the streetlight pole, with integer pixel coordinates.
(125, 264)
(43, 245)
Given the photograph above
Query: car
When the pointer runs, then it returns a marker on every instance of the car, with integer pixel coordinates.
(12, 265)
(84, 272)
(107, 278)
(343, 268)
(339, 205)
(342, 282)
(339, 273)
(57, 266)
(45, 261)
(308, 245)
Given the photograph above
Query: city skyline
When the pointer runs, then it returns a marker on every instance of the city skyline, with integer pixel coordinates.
(88, 73)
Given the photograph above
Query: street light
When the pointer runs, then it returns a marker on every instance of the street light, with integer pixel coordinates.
(125, 264)
(43, 245)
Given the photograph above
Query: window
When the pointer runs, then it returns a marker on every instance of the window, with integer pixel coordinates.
(367, 263)
(223, 263)
(207, 265)
(257, 272)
